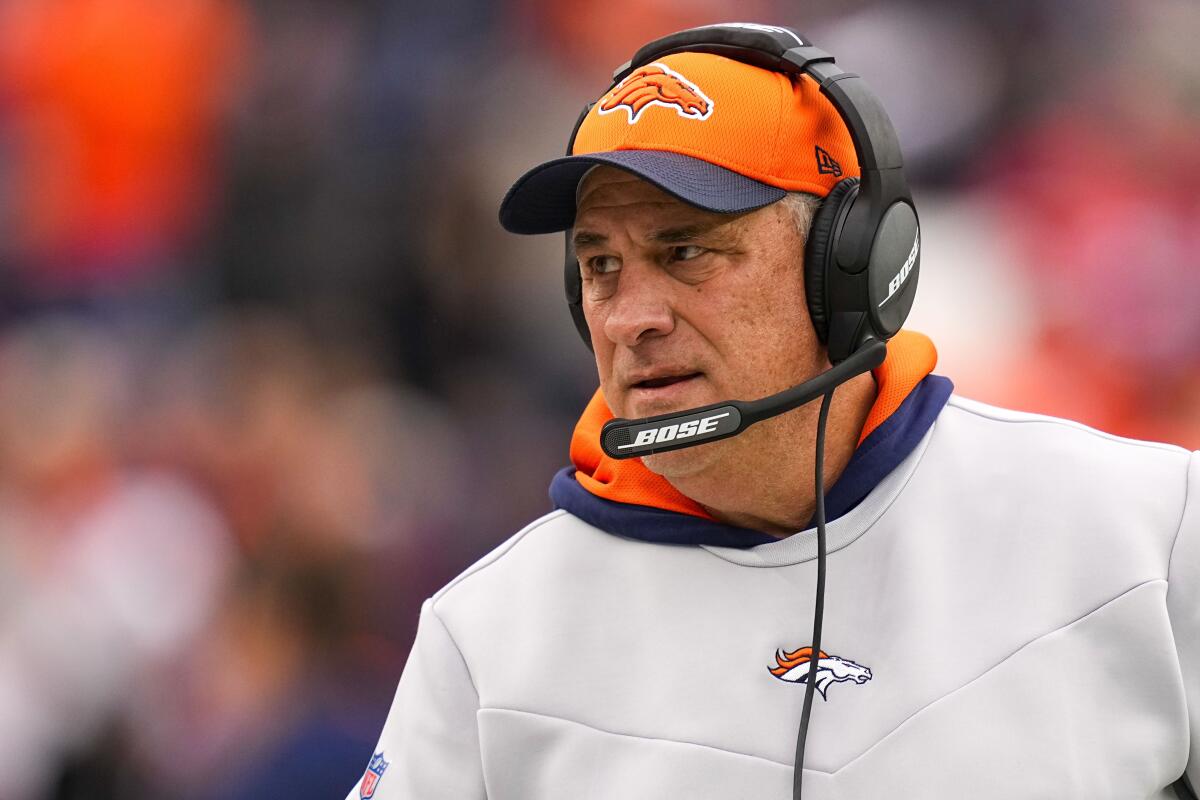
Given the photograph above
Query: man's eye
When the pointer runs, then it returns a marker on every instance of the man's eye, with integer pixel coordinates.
(602, 265)
(686, 252)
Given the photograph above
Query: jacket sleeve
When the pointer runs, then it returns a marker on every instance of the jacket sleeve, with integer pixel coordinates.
(1183, 607)
(430, 742)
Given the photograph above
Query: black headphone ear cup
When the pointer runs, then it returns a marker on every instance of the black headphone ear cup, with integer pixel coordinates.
(818, 250)
(573, 285)
(581, 324)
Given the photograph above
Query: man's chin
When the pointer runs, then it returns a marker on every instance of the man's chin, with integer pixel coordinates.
(683, 463)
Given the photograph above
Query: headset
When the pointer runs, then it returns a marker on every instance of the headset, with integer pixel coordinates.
(861, 264)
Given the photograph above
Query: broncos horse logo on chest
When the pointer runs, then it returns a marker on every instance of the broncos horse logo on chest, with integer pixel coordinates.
(657, 85)
(793, 667)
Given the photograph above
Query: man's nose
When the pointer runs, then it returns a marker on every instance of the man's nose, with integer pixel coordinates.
(641, 308)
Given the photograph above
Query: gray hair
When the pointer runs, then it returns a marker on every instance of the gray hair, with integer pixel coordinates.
(802, 207)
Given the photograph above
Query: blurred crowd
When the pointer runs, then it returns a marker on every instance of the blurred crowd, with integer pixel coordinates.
(271, 373)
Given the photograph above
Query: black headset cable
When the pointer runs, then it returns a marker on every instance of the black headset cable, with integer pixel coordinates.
(819, 609)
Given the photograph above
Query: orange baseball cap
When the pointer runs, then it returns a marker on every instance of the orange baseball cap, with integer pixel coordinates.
(716, 133)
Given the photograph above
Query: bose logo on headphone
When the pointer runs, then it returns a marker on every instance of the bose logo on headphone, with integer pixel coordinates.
(898, 280)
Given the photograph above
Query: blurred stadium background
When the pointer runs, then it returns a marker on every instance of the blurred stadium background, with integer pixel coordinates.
(271, 373)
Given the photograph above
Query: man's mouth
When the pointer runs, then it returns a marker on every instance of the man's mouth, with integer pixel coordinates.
(666, 380)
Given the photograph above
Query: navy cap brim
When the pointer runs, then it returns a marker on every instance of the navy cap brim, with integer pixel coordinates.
(543, 199)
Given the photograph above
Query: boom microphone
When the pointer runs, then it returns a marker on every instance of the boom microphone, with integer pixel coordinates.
(625, 438)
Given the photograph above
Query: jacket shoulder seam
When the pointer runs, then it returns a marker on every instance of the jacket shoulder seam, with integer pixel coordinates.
(1187, 486)
(458, 650)
(497, 554)
(978, 409)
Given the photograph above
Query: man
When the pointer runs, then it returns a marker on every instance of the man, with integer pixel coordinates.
(1013, 605)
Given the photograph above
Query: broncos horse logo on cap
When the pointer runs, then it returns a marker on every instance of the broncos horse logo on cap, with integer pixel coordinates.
(657, 85)
(793, 667)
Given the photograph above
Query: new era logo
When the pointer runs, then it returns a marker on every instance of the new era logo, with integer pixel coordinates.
(826, 165)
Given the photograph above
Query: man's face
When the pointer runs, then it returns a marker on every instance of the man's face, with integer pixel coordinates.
(687, 307)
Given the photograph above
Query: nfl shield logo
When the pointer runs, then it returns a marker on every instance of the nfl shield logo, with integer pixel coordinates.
(372, 776)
